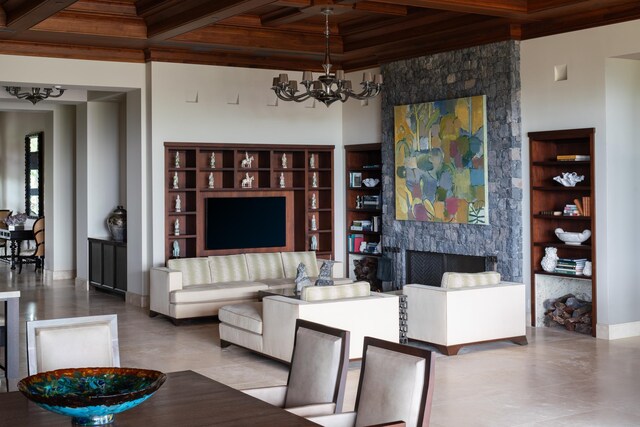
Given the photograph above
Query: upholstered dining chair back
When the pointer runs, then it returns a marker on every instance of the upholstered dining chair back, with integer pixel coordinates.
(38, 236)
(76, 342)
(319, 365)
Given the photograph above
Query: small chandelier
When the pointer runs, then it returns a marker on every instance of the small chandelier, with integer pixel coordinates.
(330, 87)
(36, 95)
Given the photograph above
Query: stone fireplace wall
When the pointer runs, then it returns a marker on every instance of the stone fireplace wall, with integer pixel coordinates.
(492, 70)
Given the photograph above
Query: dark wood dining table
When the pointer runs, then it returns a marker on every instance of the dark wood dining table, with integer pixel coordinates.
(15, 237)
(186, 399)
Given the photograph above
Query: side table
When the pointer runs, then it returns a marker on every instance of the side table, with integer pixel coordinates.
(402, 301)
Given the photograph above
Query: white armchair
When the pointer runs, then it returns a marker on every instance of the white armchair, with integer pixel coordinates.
(318, 372)
(469, 308)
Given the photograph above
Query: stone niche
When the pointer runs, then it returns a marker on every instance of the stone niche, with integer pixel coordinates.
(492, 70)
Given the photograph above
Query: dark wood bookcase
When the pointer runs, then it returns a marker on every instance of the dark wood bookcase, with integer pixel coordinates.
(195, 170)
(548, 196)
(363, 161)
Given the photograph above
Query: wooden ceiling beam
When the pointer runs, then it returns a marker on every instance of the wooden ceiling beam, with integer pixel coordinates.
(282, 16)
(94, 25)
(30, 13)
(381, 8)
(499, 8)
(190, 15)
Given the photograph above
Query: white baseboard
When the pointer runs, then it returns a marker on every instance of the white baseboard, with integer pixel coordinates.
(82, 284)
(618, 331)
(59, 275)
(137, 299)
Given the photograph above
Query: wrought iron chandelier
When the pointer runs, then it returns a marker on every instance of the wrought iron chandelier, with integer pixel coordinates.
(37, 94)
(330, 87)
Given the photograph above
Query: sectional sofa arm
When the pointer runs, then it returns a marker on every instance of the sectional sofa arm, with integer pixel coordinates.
(338, 268)
(162, 282)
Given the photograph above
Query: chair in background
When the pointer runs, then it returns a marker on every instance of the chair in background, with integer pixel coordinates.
(76, 342)
(4, 213)
(37, 254)
(396, 385)
(317, 375)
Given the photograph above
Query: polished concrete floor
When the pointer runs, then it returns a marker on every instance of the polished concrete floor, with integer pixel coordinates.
(559, 379)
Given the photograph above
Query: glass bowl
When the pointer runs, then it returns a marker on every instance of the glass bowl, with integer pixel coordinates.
(91, 395)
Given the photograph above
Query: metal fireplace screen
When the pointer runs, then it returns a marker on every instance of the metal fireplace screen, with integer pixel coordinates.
(427, 268)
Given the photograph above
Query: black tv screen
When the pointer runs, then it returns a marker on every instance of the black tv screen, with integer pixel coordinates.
(245, 222)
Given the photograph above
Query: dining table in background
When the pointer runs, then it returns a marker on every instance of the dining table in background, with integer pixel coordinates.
(186, 399)
(15, 237)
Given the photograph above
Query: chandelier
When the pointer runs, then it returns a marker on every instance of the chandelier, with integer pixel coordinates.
(329, 87)
(36, 95)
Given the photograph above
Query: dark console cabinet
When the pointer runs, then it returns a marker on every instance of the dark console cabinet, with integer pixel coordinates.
(108, 265)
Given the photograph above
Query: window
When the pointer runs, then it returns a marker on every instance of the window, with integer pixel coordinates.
(33, 185)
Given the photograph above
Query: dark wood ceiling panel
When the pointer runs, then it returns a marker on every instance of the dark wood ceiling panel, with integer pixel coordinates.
(286, 34)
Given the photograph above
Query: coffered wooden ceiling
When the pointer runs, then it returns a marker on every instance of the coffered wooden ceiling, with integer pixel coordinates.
(285, 34)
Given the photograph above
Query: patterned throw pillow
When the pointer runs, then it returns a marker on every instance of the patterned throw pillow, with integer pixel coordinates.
(325, 277)
(302, 278)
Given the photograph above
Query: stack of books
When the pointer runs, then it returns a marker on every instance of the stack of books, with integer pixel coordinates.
(376, 224)
(570, 210)
(371, 202)
(586, 206)
(570, 266)
(573, 157)
(361, 225)
(354, 242)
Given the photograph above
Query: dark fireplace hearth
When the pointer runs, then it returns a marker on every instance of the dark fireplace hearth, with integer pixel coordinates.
(427, 268)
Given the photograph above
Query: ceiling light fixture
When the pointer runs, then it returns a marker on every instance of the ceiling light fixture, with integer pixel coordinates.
(37, 94)
(330, 87)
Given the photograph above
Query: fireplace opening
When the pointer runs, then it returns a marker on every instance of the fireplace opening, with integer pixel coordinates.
(427, 268)
(571, 312)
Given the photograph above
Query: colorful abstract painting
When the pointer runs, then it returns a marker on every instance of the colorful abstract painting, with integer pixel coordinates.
(441, 161)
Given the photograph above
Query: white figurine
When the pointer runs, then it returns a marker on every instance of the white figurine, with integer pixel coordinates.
(314, 201)
(314, 243)
(178, 204)
(246, 162)
(312, 162)
(212, 161)
(175, 180)
(314, 180)
(550, 259)
(176, 227)
(176, 249)
(284, 160)
(314, 224)
(588, 269)
(569, 179)
(177, 160)
(247, 181)
(363, 247)
(358, 202)
(210, 179)
(281, 180)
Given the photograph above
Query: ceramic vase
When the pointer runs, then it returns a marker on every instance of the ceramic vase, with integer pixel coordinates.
(117, 224)
(550, 259)
(587, 268)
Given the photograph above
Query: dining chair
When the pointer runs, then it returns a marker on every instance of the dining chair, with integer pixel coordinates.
(317, 375)
(395, 386)
(76, 342)
(4, 213)
(37, 254)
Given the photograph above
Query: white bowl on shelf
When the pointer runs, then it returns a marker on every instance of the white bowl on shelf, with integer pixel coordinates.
(371, 182)
(572, 238)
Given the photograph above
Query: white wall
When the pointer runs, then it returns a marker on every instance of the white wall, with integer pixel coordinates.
(581, 101)
(217, 116)
(362, 120)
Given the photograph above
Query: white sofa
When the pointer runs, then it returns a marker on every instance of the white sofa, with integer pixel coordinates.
(468, 308)
(268, 327)
(197, 287)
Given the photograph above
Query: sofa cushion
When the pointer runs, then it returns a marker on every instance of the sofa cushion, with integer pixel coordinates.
(195, 271)
(217, 292)
(290, 261)
(247, 316)
(265, 266)
(229, 268)
(466, 280)
(351, 290)
(279, 283)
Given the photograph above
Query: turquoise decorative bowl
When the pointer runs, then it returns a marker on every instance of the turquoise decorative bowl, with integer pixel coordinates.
(91, 395)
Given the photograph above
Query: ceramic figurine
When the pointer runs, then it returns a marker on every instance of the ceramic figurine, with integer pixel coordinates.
(550, 259)
(312, 162)
(247, 181)
(177, 159)
(175, 180)
(302, 279)
(587, 270)
(210, 179)
(212, 161)
(246, 162)
(176, 227)
(314, 180)
(284, 160)
(569, 179)
(281, 180)
(178, 204)
(314, 201)
(176, 249)
(314, 243)
(314, 225)
(363, 247)
(358, 202)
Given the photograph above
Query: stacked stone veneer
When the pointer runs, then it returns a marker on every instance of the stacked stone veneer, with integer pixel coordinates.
(492, 70)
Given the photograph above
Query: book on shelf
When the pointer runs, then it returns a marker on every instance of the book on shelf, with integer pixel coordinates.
(361, 225)
(573, 157)
(570, 210)
(374, 166)
(586, 205)
(376, 224)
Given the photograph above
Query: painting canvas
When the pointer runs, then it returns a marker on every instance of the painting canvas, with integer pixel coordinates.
(441, 161)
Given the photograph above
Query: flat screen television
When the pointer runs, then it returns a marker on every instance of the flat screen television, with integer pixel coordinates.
(245, 222)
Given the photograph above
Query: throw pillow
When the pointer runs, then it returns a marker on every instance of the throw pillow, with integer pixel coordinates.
(325, 277)
(302, 278)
